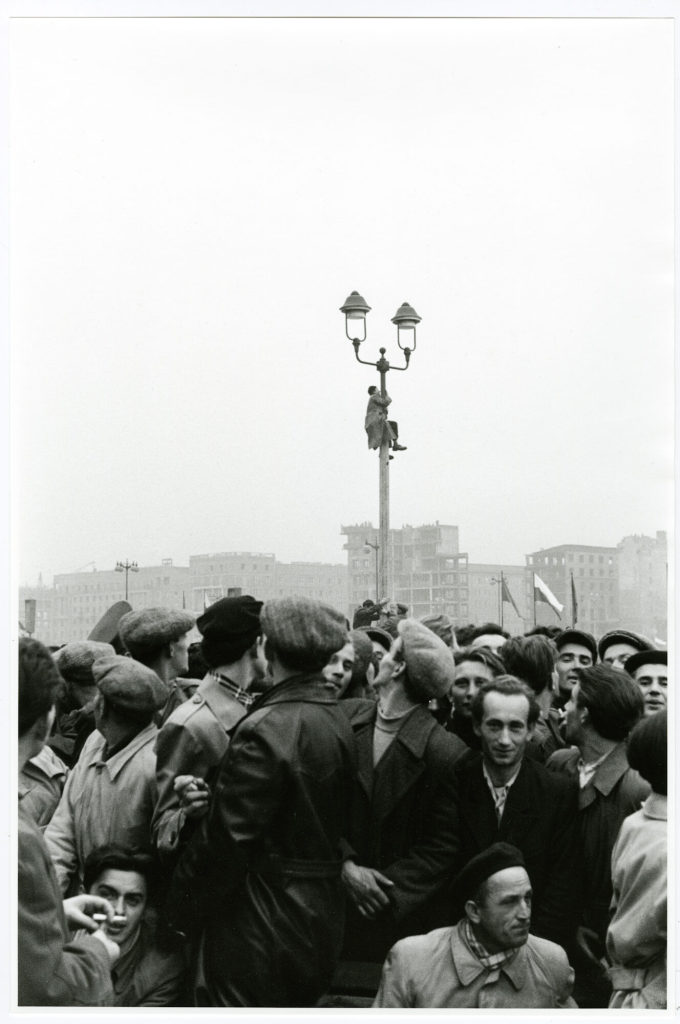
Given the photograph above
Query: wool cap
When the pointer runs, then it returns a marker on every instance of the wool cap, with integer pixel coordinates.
(577, 636)
(128, 685)
(363, 652)
(622, 636)
(153, 627)
(75, 660)
(495, 858)
(229, 627)
(304, 632)
(381, 636)
(429, 662)
(442, 626)
(645, 658)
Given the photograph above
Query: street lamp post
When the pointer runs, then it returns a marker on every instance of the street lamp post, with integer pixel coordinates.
(376, 548)
(406, 320)
(126, 567)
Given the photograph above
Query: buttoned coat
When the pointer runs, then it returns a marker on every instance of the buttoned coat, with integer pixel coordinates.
(438, 971)
(540, 819)
(104, 802)
(53, 970)
(262, 870)
(403, 823)
(614, 791)
(192, 741)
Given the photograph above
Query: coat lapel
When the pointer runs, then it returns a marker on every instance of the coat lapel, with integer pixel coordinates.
(402, 763)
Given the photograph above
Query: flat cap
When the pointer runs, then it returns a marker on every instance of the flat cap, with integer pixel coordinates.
(303, 630)
(622, 636)
(429, 662)
(495, 858)
(154, 627)
(75, 660)
(129, 685)
(645, 658)
(577, 636)
(442, 625)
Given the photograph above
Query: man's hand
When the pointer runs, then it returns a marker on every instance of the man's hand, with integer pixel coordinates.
(194, 795)
(588, 941)
(78, 911)
(111, 947)
(366, 887)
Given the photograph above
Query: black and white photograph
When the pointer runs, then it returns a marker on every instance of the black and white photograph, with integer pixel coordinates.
(341, 428)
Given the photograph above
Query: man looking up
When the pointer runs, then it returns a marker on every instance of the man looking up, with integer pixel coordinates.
(649, 669)
(53, 969)
(194, 739)
(159, 639)
(505, 796)
(377, 426)
(488, 960)
(575, 649)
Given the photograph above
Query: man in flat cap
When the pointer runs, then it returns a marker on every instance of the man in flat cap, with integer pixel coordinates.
(159, 639)
(260, 877)
(503, 795)
(76, 696)
(194, 739)
(403, 838)
(617, 646)
(649, 669)
(110, 795)
(489, 960)
(575, 649)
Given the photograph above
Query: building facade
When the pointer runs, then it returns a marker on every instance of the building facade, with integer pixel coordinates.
(596, 582)
(643, 584)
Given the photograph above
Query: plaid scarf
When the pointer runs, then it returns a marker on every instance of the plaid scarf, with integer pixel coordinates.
(492, 961)
(242, 696)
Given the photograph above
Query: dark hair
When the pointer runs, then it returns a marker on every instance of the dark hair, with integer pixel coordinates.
(147, 653)
(120, 858)
(372, 388)
(488, 627)
(507, 686)
(463, 634)
(198, 666)
(614, 701)
(552, 632)
(483, 656)
(531, 659)
(140, 719)
(39, 681)
(648, 751)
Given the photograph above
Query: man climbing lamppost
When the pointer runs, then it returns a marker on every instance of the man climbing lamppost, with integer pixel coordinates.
(381, 432)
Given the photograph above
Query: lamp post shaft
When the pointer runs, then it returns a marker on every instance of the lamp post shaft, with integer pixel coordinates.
(384, 567)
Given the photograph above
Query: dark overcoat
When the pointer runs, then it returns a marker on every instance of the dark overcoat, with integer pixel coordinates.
(262, 872)
(402, 823)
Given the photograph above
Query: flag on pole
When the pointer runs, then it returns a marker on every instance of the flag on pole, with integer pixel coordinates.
(508, 598)
(574, 602)
(542, 592)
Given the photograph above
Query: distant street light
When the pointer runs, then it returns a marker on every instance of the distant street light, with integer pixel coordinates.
(376, 548)
(406, 320)
(126, 567)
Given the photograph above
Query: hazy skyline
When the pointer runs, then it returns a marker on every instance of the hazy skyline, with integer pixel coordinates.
(192, 201)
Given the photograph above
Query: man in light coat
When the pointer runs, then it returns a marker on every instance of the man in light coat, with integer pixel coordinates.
(488, 960)
(377, 426)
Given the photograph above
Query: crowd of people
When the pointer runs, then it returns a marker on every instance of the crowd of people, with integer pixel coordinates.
(296, 812)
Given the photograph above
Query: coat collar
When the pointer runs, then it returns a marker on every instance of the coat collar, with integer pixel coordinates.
(310, 687)
(656, 806)
(610, 771)
(115, 764)
(469, 968)
(222, 703)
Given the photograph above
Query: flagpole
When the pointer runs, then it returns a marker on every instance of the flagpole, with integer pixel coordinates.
(573, 600)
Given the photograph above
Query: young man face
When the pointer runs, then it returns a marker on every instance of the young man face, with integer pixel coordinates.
(338, 670)
(570, 658)
(502, 918)
(494, 642)
(504, 730)
(469, 677)
(127, 892)
(617, 655)
(179, 654)
(653, 683)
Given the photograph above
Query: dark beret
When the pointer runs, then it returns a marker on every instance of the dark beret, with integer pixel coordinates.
(154, 627)
(496, 857)
(622, 636)
(229, 627)
(645, 658)
(577, 636)
(128, 685)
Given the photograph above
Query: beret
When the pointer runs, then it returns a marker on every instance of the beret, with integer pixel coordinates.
(302, 629)
(577, 636)
(229, 627)
(622, 636)
(154, 626)
(381, 636)
(75, 660)
(429, 662)
(645, 658)
(495, 858)
(129, 685)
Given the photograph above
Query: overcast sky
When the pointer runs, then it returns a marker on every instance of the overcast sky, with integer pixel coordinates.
(192, 201)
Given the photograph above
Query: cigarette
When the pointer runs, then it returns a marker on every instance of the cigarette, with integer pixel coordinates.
(99, 917)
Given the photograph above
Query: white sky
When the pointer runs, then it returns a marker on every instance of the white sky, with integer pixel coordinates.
(192, 200)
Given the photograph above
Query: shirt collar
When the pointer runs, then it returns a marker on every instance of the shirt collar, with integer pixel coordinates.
(468, 967)
(506, 785)
(242, 696)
